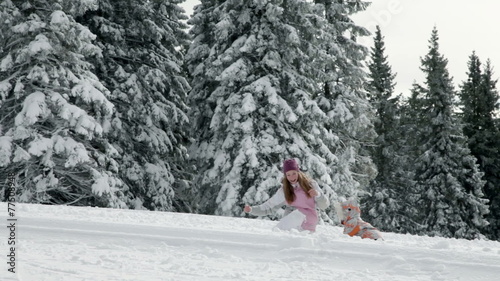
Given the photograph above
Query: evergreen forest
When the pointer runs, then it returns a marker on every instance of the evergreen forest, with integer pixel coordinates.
(132, 104)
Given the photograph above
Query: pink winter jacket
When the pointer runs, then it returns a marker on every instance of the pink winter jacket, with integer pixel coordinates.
(304, 204)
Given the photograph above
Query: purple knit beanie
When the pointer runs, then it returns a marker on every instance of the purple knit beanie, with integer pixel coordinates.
(290, 164)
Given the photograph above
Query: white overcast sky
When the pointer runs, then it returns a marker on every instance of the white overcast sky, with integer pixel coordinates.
(463, 26)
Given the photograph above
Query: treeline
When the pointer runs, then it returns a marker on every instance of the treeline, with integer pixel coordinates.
(437, 151)
(115, 104)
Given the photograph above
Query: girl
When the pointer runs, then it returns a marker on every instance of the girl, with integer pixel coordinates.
(297, 192)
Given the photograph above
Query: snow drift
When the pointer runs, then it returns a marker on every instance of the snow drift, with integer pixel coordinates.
(83, 243)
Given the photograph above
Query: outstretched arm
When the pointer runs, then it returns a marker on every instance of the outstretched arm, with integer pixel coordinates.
(268, 207)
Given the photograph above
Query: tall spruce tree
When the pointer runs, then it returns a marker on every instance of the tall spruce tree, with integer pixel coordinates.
(451, 200)
(384, 202)
(251, 92)
(142, 43)
(256, 68)
(479, 102)
(344, 99)
(54, 111)
(413, 131)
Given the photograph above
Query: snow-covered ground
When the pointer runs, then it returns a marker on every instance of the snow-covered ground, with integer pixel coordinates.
(79, 243)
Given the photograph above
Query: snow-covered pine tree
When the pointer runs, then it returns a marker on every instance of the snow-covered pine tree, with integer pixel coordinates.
(413, 131)
(344, 99)
(258, 68)
(143, 43)
(251, 98)
(451, 200)
(384, 202)
(479, 99)
(414, 123)
(381, 82)
(54, 111)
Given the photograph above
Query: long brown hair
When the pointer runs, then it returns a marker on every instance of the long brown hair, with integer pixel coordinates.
(304, 182)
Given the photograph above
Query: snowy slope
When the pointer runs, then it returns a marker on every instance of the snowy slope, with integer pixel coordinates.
(78, 243)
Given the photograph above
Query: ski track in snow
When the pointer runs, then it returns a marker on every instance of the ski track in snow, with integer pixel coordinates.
(82, 243)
